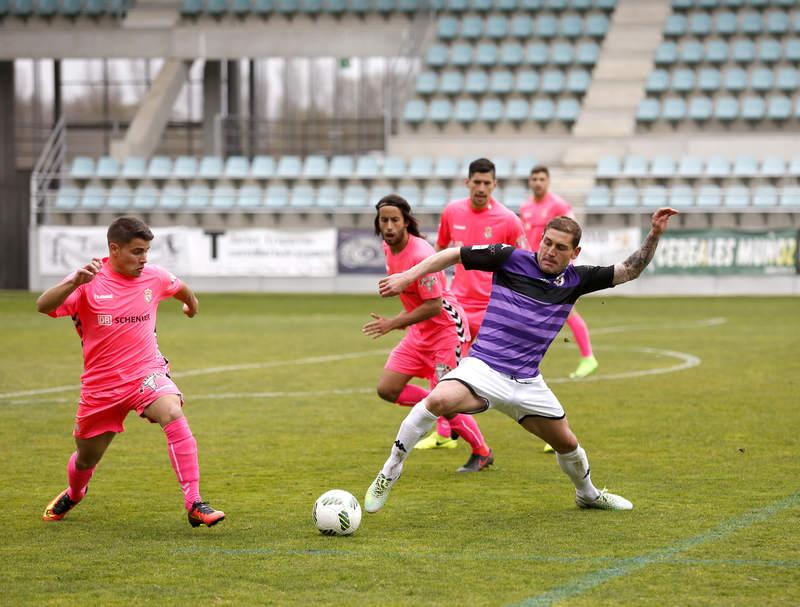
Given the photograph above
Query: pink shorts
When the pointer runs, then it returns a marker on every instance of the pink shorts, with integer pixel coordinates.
(104, 411)
(408, 359)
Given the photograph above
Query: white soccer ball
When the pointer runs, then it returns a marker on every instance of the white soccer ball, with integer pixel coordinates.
(336, 512)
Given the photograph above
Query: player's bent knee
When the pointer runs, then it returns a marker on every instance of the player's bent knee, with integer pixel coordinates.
(388, 394)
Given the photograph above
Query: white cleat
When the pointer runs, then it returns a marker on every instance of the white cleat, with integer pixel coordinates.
(378, 493)
(605, 501)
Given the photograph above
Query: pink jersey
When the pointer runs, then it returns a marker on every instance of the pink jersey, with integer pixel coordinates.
(461, 225)
(115, 317)
(448, 327)
(536, 213)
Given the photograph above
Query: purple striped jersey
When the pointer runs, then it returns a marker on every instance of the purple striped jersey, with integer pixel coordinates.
(527, 307)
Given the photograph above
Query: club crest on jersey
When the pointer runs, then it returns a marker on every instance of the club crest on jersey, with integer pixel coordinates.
(442, 369)
(559, 280)
(149, 382)
(487, 232)
(148, 295)
(427, 282)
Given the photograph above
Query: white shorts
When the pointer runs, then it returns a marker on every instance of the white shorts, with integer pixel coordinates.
(517, 398)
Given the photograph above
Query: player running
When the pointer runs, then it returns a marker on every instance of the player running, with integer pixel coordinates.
(532, 294)
(437, 327)
(113, 303)
(542, 206)
(475, 220)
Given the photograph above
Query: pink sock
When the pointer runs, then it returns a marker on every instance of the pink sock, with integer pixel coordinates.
(580, 332)
(467, 428)
(183, 454)
(411, 395)
(443, 427)
(78, 479)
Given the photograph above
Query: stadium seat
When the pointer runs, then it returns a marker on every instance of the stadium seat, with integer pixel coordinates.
(625, 196)
(516, 111)
(570, 27)
(159, 167)
(542, 111)
(411, 193)
(699, 24)
(249, 197)
(172, 197)
(681, 197)
(673, 109)
(461, 55)
(134, 167)
(561, 54)
(481, 6)
(709, 80)
(465, 111)
(761, 79)
(436, 56)
(700, 109)
(263, 167)
(185, 167)
(236, 167)
(452, 82)
(725, 24)
(787, 80)
(718, 167)
(657, 82)
(666, 54)
(82, 168)
(119, 197)
(289, 167)
(567, 111)
(328, 196)
(67, 197)
(446, 167)
(198, 196)
(769, 51)
(263, 7)
(598, 197)
(503, 167)
(682, 80)
(745, 167)
(440, 111)
(773, 167)
(145, 197)
(709, 196)
(587, 53)
(734, 79)
(578, 81)
(662, 167)
(490, 111)
(341, 167)
(716, 52)
(753, 108)
(107, 167)
(476, 82)
(690, 167)
(223, 197)
(276, 196)
(301, 196)
(486, 55)
(545, 26)
(779, 108)
(513, 196)
(648, 111)
(393, 167)
(691, 52)
(355, 196)
(553, 82)
(501, 82)
(521, 27)
(634, 167)
(523, 166)
(527, 82)
(315, 166)
(726, 109)
(414, 111)
(434, 197)
(608, 167)
(654, 196)
(765, 196)
(750, 23)
(791, 50)
(496, 27)
(420, 167)
(427, 83)
(790, 196)
(471, 27)
(675, 26)
(744, 51)
(596, 26)
(512, 54)
(210, 167)
(736, 196)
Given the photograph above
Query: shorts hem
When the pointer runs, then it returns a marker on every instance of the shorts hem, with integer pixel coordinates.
(519, 421)
(485, 400)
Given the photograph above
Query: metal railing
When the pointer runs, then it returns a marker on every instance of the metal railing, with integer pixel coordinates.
(47, 170)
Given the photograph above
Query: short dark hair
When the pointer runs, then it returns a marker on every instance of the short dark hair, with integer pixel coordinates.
(393, 200)
(481, 165)
(540, 168)
(567, 225)
(124, 229)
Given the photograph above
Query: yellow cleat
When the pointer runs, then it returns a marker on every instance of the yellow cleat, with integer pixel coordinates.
(548, 448)
(436, 441)
(586, 367)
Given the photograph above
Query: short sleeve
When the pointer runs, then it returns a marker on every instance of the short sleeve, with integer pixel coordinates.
(486, 257)
(443, 238)
(170, 284)
(595, 278)
(70, 305)
(429, 287)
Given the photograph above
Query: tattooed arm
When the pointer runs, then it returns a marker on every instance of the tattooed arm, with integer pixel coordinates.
(637, 262)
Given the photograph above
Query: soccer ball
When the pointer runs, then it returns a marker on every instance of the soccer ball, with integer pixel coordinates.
(336, 512)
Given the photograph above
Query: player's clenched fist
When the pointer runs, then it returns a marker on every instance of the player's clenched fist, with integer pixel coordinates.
(87, 272)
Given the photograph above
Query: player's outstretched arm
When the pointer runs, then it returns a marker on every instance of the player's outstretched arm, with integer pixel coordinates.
(637, 262)
(397, 283)
(381, 326)
(57, 294)
(190, 304)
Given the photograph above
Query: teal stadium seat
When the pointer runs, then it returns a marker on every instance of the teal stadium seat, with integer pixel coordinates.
(355, 196)
(753, 108)
(447, 28)
(536, 54)
(662, 167)
(527, 82)
(587, 53)
(486, 55)
(334, 7)
(82, 168)
(787, 80)
(461, 54)
(490, 111)
(446, 167)
(191, 8)
(512, 54)
(543, 111)
(159, 167)
(750, 23)
(517, 111)
(625, 196)
(94, 8)
(567, 111)
(745, 167)
(223, 197)
(241, 8)
(93, 197)
(790, 196)
(434, 197)
(134, 167)
(501, 83)
(457, 6)
(561, 54)
(675, 26)
(570, 27)
(263, 167)
(734, 79)
(465, 111)
(701, 109)
(496, 27)
(648, 111)
(599, 197)
(120, 197)
(276, 196)
(411, 193)
(414, 111)
(440, 111)
(673, 109)
(736, 196)
(367, 167)
(216, 8)
(263, 8)
(657, 82)
(791, 50)
(744, 52)
(249, 197)
(718, 167)
(145, 197)
(596, 26)
(328, 196)
(654, 196)
(521, 27)
(553, 82)
(289, 167)
(725, 24)
(67, 198)
(302, 196)
(634, 167)
(471, 27)
(505, 6)
(481, 6)
(545, 26)
(172, 197)
(315, 166)
(765, 196)
(420, 167)
(709, 196)
(236, 167)
(342, 167)
(107, 168)
(690, 167)
(700, 24)
(514, 195)
(555, 5)
(761, 79)
(436, 56)
(198, 196)
(769, 51)
(452, 82)
(608, 167)
(210, 167)
(681, 197)
(46, 8)
(716, 52)
(394, 167)
(71, 8)
(691, 52)
(185, 167)
(287, 7)
(666, 54)
(578, 81)
(427, 83)
(682, 80)
(773, 167)
(709, 80)
(523, 166)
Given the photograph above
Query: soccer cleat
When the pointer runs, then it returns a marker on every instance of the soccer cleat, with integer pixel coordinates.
(586, 367)
(59, 507)
(548, 448)
(203, 514)
(378, 493)
(436, 441)
(605, 501)
(477, 462)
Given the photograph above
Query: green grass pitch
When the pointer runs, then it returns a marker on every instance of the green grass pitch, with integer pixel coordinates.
(694, 416)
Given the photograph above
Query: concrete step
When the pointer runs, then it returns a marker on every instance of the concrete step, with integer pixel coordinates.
(613, 95)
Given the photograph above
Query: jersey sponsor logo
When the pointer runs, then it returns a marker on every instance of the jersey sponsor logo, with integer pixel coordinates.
(458, 227)
(149, 383)
(127, 320)
(487, 232)
(427, 282)
(148, 295)
(105, 320)
(103, 296)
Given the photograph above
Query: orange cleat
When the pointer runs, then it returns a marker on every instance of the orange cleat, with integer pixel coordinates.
(203, 514)
(59, 507)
